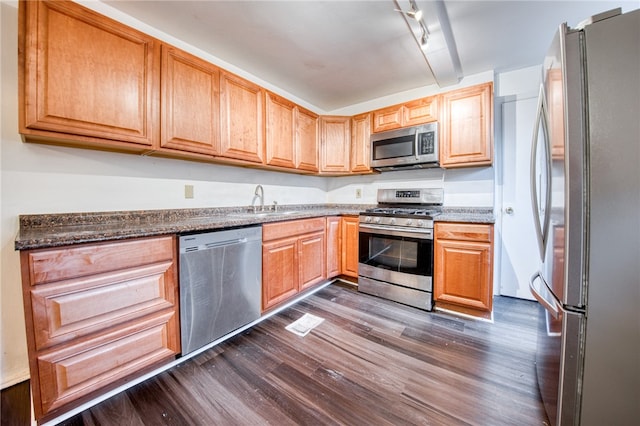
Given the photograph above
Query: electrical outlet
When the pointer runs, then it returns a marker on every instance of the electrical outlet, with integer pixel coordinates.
(358, 192)
(188, 191)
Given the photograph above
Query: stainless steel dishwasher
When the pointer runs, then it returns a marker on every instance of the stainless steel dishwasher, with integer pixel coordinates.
(220, 284)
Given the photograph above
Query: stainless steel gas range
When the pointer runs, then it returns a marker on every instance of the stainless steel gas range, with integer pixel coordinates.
(396, 246)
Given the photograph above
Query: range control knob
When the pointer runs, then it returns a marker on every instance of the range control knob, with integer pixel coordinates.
(367, 219)
(392, 221)
(409, 222)
(377, 219)
(421, 223)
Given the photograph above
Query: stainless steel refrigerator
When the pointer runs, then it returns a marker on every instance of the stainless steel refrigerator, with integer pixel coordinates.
(586, 200)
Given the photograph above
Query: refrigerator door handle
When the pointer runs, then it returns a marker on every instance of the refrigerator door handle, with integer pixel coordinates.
(542, 232)
(551, 306)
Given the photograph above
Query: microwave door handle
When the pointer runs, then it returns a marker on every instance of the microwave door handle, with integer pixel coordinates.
(415, 145)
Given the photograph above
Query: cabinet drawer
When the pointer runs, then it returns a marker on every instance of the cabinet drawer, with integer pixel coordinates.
(274, 231)
(464, 231)
(75, 371)
(74, 308)
(51, 265)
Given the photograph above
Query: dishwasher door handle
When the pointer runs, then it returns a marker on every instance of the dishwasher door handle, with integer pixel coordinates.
(226, 243)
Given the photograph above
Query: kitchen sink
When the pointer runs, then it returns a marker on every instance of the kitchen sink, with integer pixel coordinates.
(264, 214)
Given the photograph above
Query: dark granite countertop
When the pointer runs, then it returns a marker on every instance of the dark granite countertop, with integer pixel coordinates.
(466, 214)
(54, 230)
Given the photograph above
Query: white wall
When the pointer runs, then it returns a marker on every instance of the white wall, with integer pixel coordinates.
(47, 179)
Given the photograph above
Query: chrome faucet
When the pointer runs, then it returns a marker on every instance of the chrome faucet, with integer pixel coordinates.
(260, 194)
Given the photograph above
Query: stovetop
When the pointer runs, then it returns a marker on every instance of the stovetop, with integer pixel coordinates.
(426, 212)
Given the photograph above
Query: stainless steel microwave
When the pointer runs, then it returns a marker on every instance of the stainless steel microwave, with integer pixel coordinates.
(411, 147)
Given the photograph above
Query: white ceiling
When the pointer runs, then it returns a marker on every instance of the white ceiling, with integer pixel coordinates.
(334, 54)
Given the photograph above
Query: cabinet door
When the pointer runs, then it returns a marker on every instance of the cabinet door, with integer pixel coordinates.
(190, 103)
(280, 131)
(336, 144)
(279, 271)
(312, 259)
(306, 140)
(387, 118)
(241, 119)
(420, 111)
(333, 246)
(467, 127)
(349, 257)
(361, 143)
(463, 266)
(88, 76)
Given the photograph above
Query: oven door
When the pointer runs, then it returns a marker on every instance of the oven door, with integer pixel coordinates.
(396, 256)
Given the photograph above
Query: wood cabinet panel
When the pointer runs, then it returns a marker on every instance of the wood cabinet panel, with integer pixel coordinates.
(463, 268)
(388, 118)
(361, 143)
(87, 76)
(311, 259)
(467, 127)
(50, 265)
(333, 246)
(274, 231)
(420, 111)
(307, 129)
(96, 314)
(280, 131)
(190, 102)
(279, 271)
(335, 144)
(242, 119)
(74, 308)
(349, 245)
(75, 371)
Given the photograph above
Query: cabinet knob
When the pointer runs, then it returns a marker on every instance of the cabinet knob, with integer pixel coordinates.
(508, 210)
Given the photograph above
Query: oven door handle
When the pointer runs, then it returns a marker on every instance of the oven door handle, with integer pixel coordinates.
(420, 234)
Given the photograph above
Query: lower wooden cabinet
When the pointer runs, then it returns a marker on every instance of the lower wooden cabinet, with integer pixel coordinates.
(349, 246)
(463, 268)
(333, 246)
(293, 258)
(96, 315)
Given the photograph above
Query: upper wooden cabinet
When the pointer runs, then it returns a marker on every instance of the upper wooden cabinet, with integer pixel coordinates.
(190, 103)
(280, 132)
(242, 119)
(307, 129)
(419, 111)
(361, 143)
(335, 140)
(86, 79)
(466, 127)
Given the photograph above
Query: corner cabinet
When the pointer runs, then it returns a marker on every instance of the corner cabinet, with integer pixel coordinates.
(75, 66)
(349, 246)
(293, 258)
(361, 143)
(97, 315)
(307, 129)
(466, 129)
(335, 144)
(280, 132)
(463, 268)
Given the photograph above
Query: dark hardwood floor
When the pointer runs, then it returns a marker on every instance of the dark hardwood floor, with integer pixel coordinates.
(371, 362)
